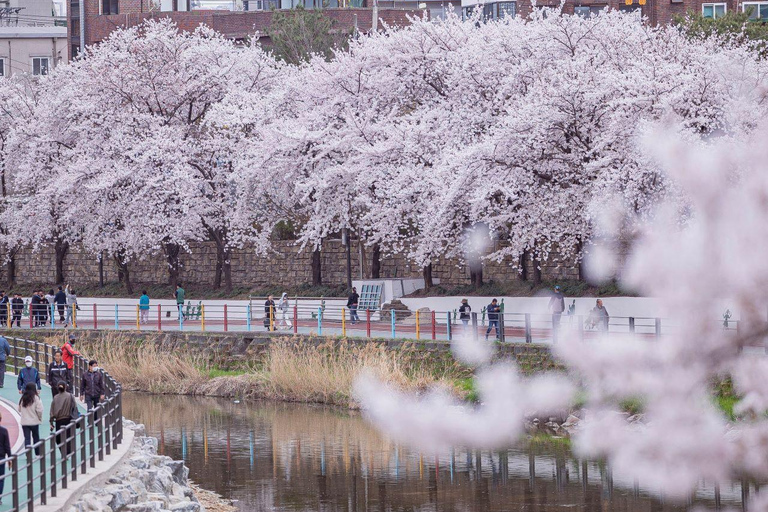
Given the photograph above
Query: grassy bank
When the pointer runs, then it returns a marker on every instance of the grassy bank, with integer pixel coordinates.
(284, 371)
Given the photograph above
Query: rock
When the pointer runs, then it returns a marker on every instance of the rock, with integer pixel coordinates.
(121, 496)
(152, 506)
(179, 471)
(637, 418)
(401, 311)
(186, 506)
(571, 421)
(553, 428)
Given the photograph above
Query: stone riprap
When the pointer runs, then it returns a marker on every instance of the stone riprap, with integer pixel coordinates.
(145, 482)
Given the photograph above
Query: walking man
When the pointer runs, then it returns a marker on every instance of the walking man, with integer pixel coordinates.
(557, 306)
(4, 302)
(92, 386)
(60, 299)
(144, 307)
(68, 353)
(352, 303)
(269, 313)
(17, 307)
(28, 374)
(34, 309)
(58, 373)
(180, 295)
(5, 451)
(5, 351)
(493, 318)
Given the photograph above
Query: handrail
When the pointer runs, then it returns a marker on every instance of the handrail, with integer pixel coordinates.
(37, 472)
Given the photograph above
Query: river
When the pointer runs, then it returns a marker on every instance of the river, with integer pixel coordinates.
(270, 456)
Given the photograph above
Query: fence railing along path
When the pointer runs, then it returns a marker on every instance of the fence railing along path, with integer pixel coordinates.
(331, 317)
(39, 472)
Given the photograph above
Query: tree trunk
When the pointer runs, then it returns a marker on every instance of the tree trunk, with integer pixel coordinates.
(317, 271)
(101, 269)
(172, 259)
(476, 274)
(523, 275)
(223, 266)
(62, 248)
(10, 267)
(427, 273)
(580, 256)
(123, 272)
(376, 262)
(536, 270)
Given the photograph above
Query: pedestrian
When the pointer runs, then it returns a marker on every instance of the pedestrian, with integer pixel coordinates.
(17, 307)
(31, 412)
(352, 303)
(58, 372)
(68, 352)
(92, 386)
(28, 375)
(34, 309)
(493, 318)
(599, 317)
(180, 296)
(60, 299)
(4, 308)
(557, 306)
(72, 307)
(63, 409)
(465, 312)
(50, 298)
(5, 451)
(5, 351)
(144, 307)
(43, 309)
(269, 313)
(283, 306)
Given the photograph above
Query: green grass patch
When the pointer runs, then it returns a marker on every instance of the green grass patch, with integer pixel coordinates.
(218, 372)
(468, 388)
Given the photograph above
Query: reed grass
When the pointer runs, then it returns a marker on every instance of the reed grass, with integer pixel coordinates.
(288, 370)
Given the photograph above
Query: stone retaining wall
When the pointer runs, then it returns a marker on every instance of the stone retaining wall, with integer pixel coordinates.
(146, 482)
(287, 265)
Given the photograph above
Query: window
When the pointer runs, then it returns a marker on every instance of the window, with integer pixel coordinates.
(109, 7)
(713, 10)
(507, 9)
(588, 11)
(40, 66)
(756, 10)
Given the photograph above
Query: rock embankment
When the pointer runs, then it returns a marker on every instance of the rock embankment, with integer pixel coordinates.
(145, 482)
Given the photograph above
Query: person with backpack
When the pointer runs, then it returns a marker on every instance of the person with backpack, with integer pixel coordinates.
(72, 307)
(68, 352)
(31, 412)
(465, 312)
(27, 375)
(352, 303)
(58, 372)
(144, 307)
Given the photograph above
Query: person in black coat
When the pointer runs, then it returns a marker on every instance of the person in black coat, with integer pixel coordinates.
(60, 299)
(17, 307)
(5, 451)
(269, 313)
(4, 301)
(58, 373)
(34, 309)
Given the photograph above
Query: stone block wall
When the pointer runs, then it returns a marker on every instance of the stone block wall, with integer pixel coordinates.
(286, 265)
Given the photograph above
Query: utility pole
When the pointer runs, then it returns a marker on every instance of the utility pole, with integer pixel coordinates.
(375, 16)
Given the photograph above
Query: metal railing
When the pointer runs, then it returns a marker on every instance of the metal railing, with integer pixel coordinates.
(37, 472)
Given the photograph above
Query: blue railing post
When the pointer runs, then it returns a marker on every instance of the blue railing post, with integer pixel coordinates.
(448, 325)
(319, 321)
(181, 317)
(248, 318)
(53, 309)
(392, 318)
(117, 318)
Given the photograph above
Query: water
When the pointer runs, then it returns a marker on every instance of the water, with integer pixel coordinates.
(289, 457)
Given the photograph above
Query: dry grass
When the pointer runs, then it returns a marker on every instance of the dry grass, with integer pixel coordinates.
(289, 371)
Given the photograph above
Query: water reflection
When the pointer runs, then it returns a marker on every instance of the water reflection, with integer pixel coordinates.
(287, 457)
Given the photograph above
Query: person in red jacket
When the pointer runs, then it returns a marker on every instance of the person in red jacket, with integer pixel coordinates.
(68, 352)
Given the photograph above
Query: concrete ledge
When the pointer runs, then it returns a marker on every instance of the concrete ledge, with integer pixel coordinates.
(96, 476)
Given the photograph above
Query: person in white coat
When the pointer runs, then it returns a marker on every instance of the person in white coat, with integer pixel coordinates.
(31, 412)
